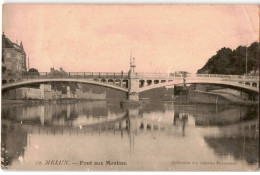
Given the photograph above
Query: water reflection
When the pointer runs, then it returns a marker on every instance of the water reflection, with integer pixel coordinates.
(161, 130)
(14, 141)
(239, 140)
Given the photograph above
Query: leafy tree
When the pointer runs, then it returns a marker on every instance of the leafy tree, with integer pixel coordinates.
(233, 62)
(34, 71)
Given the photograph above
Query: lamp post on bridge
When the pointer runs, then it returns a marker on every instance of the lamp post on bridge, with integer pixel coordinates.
(133, 89)
(246, 59)
(132, 65)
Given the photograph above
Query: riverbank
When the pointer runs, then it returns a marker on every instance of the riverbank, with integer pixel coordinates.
(196, 96)
(38, 101)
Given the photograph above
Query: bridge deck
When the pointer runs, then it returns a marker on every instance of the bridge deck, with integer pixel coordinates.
(110, 79)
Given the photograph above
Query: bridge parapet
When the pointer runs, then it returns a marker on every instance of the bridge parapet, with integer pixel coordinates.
(76, 75)
(121, 75)
(159, 75)
(244, 77)
(178, 75)
(140, 81)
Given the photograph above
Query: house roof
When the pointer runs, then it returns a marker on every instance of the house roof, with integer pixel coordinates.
(7, 43)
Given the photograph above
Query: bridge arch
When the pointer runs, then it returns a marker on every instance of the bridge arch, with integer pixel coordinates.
(117, 82)
(149, 82)
(38, 81)
(125, 83)
(110, 81)
(235, 85)
(141, 83)
(103, 80)
(254, 84)
(163, 81)
(156, 81)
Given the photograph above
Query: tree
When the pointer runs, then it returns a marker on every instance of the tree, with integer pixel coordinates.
(34, 71)
(233, 62)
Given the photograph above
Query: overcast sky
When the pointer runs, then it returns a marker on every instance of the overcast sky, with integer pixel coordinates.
(163, 38)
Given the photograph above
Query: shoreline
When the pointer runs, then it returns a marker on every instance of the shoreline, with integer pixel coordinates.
(177, 100)
(40, 101)
(202, 97)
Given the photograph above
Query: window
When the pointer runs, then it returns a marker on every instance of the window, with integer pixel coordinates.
(8, 55)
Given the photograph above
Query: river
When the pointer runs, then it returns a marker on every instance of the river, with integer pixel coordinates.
(102, 135)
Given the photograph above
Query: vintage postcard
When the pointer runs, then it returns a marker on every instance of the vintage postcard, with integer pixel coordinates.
(130, 87)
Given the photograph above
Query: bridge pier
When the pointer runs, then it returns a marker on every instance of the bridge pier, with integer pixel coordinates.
(133, 90)
(133, 96)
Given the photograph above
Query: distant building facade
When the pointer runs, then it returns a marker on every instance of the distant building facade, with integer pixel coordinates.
(13, 57)
(45, 92)
(22, 93)
(57, 72)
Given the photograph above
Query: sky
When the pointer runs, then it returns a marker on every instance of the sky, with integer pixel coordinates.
(99, 38)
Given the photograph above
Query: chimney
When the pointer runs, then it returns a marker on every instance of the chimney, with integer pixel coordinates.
(28, 64)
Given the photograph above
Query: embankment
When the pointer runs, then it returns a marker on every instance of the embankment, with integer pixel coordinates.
(216, 98)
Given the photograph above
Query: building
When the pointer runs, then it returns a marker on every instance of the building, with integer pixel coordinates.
(22, 93)
(13, 57)
(46, 91)
(30, 93)
(57, 72)
(56, 94)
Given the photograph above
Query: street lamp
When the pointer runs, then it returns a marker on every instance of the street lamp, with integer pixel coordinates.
(246, 60)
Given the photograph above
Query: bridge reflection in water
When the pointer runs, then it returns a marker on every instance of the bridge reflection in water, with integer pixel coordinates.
(154, 133)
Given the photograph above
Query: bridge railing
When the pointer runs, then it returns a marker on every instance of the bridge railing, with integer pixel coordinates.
(151, 75)
(119, 75)
(77, 75)
(227, 76)
(159, 75)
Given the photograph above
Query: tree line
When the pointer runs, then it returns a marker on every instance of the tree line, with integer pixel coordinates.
(233, 62)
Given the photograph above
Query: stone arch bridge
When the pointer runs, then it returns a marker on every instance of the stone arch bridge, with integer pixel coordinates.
(134, 83)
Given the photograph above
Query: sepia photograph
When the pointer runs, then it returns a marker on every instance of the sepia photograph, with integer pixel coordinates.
(117, 87)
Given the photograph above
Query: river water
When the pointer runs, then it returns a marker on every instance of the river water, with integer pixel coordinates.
(102, 135)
